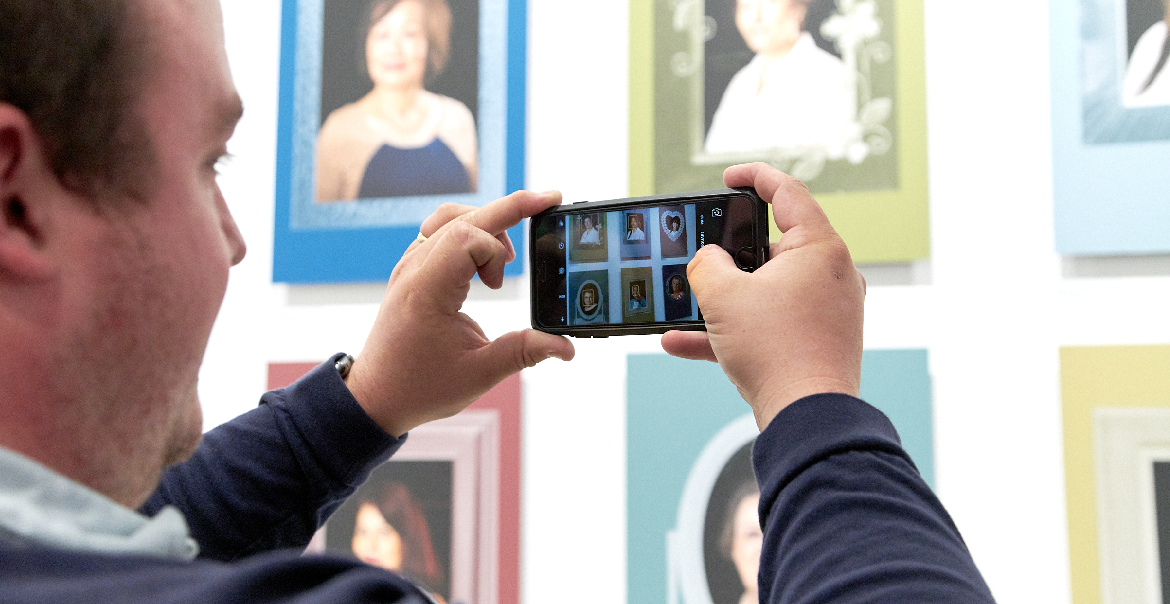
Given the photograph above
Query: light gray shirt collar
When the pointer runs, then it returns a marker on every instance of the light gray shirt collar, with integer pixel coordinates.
(43, 506)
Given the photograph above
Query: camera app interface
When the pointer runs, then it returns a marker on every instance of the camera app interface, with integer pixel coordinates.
(625, 266)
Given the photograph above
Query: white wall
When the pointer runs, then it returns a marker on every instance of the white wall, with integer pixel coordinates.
(992, 305)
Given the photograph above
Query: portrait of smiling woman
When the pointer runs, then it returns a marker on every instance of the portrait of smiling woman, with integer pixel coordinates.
(400, 139)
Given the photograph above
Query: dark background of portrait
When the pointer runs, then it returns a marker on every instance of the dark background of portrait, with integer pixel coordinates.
(722, 578)
(430, 484)
(1139, 16)
(726, 52)
(1162, 514)
(344, 78)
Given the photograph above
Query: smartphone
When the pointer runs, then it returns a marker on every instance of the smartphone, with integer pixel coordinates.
(607, 268)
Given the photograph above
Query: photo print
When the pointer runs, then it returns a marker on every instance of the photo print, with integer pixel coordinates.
(635, 243)
(638, 295)
(676, 293)
(587, 238)
(1161, 505)
(400, 520)
(673, 234)
(1125, 88)
(1147, 75)
(399, 92)
(731, 532)
(590, 291)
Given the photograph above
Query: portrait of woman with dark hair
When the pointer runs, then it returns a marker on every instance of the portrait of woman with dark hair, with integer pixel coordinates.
(400, 139)
(791, 95)
(731, 532)
(741, 538)
(390, 531)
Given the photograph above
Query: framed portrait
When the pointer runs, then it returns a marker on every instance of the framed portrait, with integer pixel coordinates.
(1110, 126)
(692, 494)
(1116, 416)
(449, 499)
(711, 84)
(388, 109)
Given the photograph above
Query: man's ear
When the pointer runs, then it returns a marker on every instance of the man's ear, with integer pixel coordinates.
(25, 190)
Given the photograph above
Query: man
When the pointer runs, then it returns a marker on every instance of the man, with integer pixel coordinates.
(114, 251)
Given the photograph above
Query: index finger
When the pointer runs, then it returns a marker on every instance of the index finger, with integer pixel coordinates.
(507, 212)
(792, 203)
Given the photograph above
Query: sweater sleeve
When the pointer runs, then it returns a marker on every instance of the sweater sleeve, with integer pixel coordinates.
(269, 478)
(846, 516)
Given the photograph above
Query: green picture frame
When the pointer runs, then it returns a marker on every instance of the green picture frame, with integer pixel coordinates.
(877, 199)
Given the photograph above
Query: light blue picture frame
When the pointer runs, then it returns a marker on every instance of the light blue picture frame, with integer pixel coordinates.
(362, 241)
(685, 420)
(1111, 182)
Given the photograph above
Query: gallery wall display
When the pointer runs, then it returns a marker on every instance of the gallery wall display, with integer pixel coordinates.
(1116, 404)
(1110, 126)
(690, 482)
(843, 109)
(451, 495)
(388, 109)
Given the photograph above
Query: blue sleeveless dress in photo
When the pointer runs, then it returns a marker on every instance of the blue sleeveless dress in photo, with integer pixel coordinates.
(430, 170)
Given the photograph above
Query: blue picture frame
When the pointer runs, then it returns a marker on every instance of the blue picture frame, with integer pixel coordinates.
(1110, 182)
(675, 467)
(361, 241)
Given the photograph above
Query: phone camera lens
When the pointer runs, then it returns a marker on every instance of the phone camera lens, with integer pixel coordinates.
(745, 258)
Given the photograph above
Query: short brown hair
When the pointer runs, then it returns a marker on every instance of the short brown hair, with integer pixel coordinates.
(437, 20)
(74, 68)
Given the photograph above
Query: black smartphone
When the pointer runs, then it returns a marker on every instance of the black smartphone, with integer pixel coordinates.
(606, 268)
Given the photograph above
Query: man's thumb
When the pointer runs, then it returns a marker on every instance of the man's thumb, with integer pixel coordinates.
(522, 349)
(711, 270)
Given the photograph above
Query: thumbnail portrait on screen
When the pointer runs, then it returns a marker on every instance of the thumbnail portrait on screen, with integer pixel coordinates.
(677, 300)
(589, 290)
(402, 137)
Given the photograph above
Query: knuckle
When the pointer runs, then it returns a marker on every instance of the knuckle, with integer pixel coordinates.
(450, 209)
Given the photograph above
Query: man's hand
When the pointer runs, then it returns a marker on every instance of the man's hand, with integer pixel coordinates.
(426, 360)
(792, 328)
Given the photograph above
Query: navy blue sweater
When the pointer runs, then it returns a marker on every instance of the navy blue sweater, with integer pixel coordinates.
(846, 516)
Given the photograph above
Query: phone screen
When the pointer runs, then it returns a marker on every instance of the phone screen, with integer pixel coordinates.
(628, 265)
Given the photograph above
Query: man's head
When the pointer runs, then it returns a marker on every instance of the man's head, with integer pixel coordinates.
(112, 270)
(74, 68)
